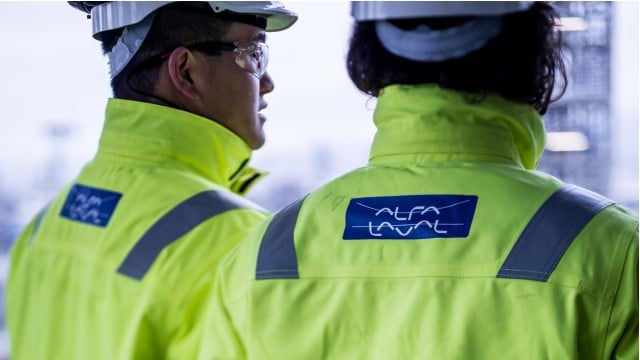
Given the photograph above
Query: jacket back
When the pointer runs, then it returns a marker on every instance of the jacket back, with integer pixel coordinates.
(407, 257)
(120, 264)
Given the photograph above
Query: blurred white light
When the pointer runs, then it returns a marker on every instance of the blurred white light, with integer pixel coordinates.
(573, 24)
(567, 141)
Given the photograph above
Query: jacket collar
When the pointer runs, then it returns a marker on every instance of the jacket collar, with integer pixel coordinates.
(173, 137)
(443, 124)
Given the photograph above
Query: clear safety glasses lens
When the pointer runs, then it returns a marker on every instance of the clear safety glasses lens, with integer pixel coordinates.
(252, 57)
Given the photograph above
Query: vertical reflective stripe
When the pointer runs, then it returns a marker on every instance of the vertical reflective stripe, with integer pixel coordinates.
(550, 232)
(277, 254)
(38, 221)
(174, 224)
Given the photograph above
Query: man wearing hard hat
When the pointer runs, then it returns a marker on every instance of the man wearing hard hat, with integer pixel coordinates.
(120, 263)
(447, 244)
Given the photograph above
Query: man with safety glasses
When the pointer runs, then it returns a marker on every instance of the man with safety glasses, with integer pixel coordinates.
(120, 264)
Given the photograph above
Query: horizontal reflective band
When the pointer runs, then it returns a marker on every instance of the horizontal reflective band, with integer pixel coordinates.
(174, 224)
(277, 255)
(550, 232)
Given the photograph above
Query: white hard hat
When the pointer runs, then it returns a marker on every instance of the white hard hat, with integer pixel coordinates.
(136, 18)
(385, 10)
(117, 14)
(424, 44)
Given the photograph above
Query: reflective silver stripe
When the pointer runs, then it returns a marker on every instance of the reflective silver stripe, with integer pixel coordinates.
(277, 255)
(38, 221)
(550, 232)
(174, 224)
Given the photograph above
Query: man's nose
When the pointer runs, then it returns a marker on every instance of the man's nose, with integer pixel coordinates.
(266, 83)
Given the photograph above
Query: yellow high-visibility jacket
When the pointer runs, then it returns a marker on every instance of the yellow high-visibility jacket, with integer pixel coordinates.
(446, 245)
(120, 264)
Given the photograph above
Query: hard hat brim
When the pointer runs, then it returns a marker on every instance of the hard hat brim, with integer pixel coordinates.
(118, 14)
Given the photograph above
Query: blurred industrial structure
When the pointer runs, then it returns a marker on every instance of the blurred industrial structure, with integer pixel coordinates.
(579, 125)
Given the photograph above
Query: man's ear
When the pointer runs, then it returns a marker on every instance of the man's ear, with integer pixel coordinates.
(180, 67)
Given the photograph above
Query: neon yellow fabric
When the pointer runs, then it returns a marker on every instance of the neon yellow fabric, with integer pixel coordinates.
(435, 298)
(65, 299)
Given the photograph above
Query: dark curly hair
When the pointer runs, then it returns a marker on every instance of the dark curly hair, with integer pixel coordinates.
(520, 64)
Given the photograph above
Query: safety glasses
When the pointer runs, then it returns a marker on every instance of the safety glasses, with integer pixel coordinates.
(251, 56)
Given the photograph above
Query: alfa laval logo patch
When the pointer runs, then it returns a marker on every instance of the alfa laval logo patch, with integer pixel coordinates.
(90, 205)
(410, 217)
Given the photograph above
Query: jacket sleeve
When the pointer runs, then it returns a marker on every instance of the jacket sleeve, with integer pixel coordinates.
(625, 306)
(200, 315)
(221, 336)
(226, 335)
(15, 292)
(184, 343)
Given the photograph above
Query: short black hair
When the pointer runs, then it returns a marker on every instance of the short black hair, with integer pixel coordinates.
(174, 25)
(520, 64)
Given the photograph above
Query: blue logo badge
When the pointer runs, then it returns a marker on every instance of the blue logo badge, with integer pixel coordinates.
(410, 217)
(90, 205)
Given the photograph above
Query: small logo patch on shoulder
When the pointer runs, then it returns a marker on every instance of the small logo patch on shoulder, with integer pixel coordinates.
(90, 205)
(410, 217)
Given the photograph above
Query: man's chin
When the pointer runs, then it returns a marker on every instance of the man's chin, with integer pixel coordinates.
(256, 142)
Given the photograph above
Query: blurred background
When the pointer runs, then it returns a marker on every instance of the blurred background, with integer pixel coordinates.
(54, 86)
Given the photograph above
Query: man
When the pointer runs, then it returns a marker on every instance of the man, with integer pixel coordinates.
(119, 264)
(448, 244)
